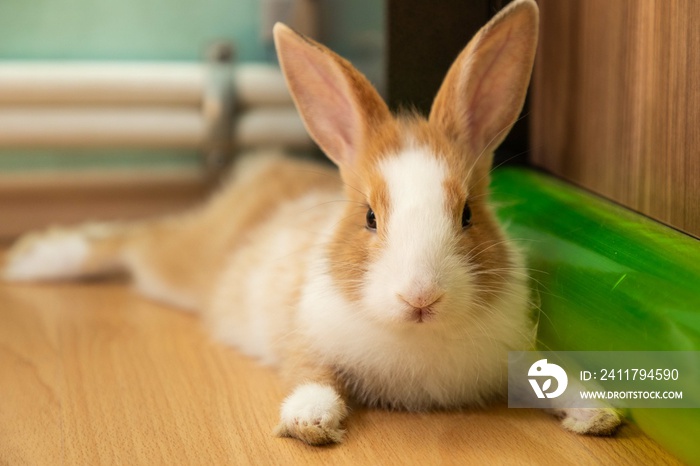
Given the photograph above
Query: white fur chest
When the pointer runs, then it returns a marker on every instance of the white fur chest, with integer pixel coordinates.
(413, 367)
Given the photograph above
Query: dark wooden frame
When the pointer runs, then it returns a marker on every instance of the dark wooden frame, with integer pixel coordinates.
(423, 40)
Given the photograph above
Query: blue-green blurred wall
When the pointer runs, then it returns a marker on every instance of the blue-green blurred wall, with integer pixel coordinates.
(173, 29)
(127, 29)
(163, 30)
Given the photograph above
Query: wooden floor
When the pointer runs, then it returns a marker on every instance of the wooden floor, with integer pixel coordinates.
(92, 374)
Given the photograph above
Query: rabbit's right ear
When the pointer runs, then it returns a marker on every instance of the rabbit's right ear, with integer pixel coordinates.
(337, 103)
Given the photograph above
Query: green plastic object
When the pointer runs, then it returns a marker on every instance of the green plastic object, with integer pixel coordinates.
(607, 279)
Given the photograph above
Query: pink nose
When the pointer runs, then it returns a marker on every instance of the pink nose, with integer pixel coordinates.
(422, 303)
(422, 298)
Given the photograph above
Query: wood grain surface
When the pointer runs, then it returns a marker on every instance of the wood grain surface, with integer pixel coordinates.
(616, 102)
(92, 374)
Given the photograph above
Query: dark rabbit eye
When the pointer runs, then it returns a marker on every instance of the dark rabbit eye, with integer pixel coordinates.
(466, 216)
(371, 219)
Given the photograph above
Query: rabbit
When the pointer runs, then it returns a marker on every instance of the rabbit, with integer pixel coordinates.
(387, 282)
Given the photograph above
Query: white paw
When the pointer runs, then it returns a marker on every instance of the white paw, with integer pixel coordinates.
(56, 253)
(590, 421)
(313, 413)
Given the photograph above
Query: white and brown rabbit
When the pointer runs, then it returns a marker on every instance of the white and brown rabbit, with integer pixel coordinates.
(390, 283)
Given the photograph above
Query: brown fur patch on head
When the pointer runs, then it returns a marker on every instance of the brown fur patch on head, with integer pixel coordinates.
(354, 247)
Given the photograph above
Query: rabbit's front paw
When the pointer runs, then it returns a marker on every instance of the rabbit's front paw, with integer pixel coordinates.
(590, 421)
(313, 413)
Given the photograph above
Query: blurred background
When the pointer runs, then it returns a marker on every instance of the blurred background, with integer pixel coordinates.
(118, 109)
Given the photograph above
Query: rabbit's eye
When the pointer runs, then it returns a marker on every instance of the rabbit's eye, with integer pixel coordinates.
(371, 219)
(466, 216)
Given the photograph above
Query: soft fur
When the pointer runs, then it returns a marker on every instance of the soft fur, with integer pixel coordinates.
(420, 313)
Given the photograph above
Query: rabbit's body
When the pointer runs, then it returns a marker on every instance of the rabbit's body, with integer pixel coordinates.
(265, 242)
(255, 262)
(282, 285)
(390, 282)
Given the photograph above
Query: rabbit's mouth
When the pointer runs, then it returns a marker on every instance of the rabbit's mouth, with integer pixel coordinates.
(421, 306)
(422, 314)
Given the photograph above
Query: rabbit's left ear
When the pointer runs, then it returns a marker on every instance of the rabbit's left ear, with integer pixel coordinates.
(338, 105)
(484, 90)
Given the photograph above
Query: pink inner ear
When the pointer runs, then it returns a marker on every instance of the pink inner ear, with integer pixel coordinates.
(336, 102)
(324, 100)
(337, 114)
(493, 96)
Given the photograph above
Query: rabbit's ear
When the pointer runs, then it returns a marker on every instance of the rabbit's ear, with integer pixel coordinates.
(484, 90)
(337, 103)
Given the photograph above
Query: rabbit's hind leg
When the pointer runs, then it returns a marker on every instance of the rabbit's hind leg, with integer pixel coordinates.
(160, 255)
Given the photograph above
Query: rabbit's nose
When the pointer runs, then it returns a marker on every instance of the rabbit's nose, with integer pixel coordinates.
(422, 297)
(421, 304)
(421, 301)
